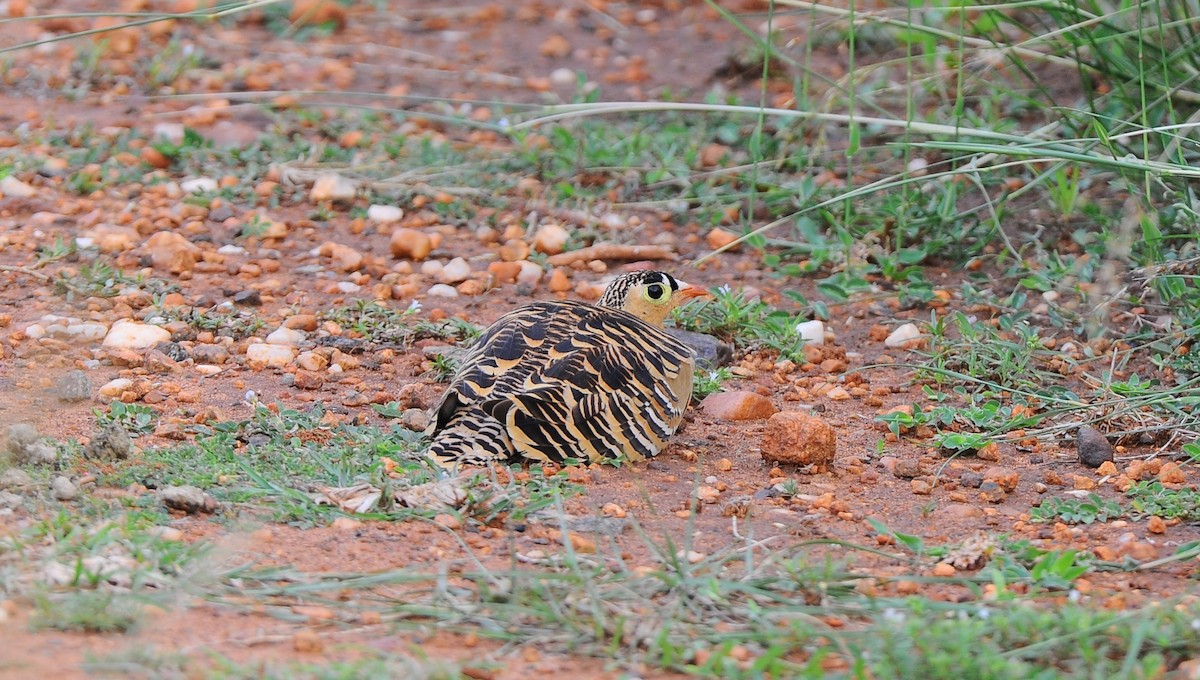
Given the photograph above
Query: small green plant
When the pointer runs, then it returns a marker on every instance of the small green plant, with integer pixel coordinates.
(100, 279)
(900, 421)
(136, 419)
(1010, 356)
(378, 323)
(231, 322)
(1064, 190)
(1076, 510)
(172, 62)
(708, 382)
(88, 611)
(1022, 562)
(749, 323)
(60, 249)
(1152, 498)
(1057, 570)
(444, 367)
(255, 226)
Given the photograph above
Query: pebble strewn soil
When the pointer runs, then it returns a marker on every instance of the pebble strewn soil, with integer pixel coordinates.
(64, 353)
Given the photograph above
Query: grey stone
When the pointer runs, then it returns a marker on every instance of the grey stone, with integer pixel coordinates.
(710, 352)
(250, 298)
(15, 478)
(9, 500)
(190, 499)
(27, 447)
(1094, 449)
(414, 419)
(173, 350)
(111, 443)
(604, 526)
(205, 353)
(74, 386)
(971, 480)
(21, 436)
(63, 488)
(992, 492)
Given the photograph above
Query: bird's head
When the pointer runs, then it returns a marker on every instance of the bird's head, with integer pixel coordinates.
(648, 295)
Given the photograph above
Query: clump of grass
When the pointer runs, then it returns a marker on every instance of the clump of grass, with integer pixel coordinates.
(219, 320)
(749, 323)
(378, 323)
(98, 278)
(1011, 355)
(87, 611)
(737, 614)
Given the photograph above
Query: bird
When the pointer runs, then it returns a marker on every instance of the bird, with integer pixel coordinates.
(561, 381)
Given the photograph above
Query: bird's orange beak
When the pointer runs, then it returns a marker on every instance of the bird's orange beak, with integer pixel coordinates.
(688, 291)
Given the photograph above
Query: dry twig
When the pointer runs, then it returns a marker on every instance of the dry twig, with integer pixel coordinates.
(612, 251)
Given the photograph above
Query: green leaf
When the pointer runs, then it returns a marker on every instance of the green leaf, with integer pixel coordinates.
(833, 290)
(913, 543)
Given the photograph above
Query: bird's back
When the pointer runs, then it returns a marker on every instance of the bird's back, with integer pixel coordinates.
(558, 380)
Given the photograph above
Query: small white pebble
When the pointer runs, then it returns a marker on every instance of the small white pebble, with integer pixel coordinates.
(455, 271)
(198, 185)
(903, 334)
(286, 336)
(442, 290)
(562, 77)
(813, 331)
(384, 213)
(530, 274)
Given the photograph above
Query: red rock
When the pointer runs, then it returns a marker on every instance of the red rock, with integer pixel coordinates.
(1171, 473)
(317, 13)
(559, 283)
(739, 405)
(301, 322)
(833, 366)
(712, 154)
(309, 380)
(504, 272)
(990, 452)
(171, 252)
(794, 437)
(556, 46)
(345, 258)
(410, 244)
(1006, 478)
(908, 468)
(719, 238)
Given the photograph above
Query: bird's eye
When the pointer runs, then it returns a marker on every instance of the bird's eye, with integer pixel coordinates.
(655, 291)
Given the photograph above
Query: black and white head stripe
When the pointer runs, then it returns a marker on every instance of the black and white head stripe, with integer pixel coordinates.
(618, 290)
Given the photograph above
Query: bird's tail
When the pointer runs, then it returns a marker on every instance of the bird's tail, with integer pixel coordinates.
(471, 437)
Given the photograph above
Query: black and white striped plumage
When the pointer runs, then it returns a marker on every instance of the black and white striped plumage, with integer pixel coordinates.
(557, 380)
